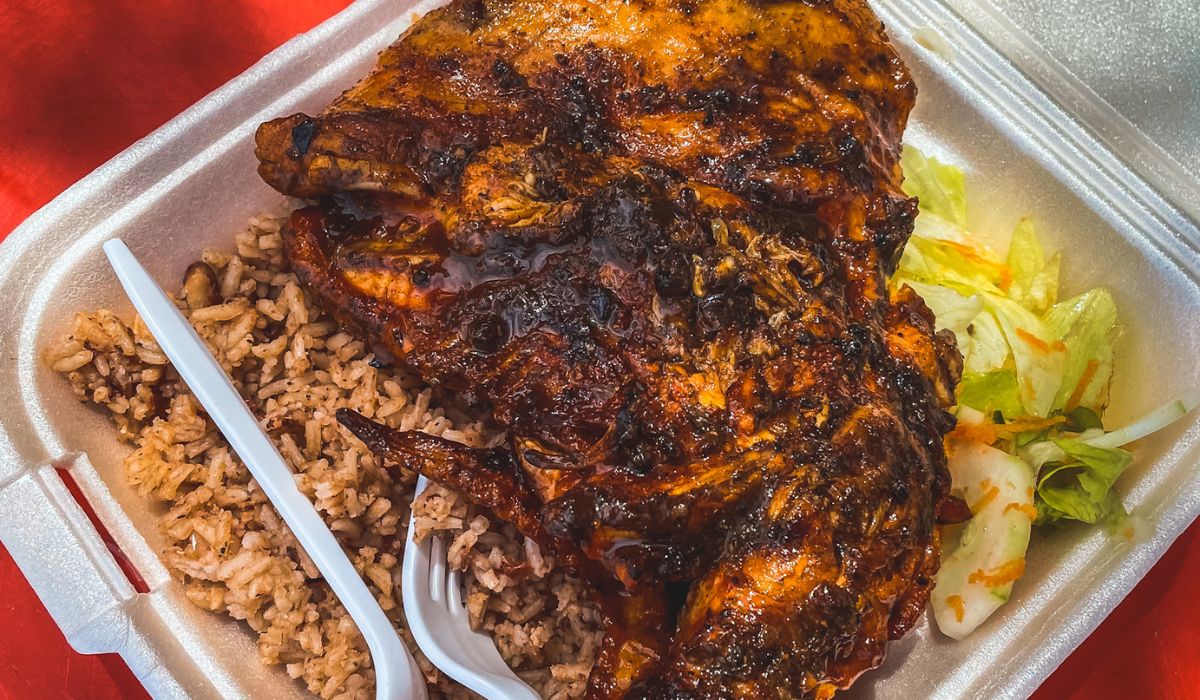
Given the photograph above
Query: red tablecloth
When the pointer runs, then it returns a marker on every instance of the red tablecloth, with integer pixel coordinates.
(81, 80)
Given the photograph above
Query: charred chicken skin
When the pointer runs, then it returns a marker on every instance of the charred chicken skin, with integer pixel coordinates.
(653, 238)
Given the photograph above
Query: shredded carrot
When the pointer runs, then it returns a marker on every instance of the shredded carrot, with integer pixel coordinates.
(1029, 424)
(969, 253)
(1024, 508)
(1005, 573)
(979, 432)
(1005, 278)
(988, 433)
(1002, 272)
(988, 496)
(1033, 340)
(957, 604)
(1084, 379)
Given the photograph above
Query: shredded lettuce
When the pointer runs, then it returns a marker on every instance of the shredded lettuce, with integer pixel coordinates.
(1088, 328)
(941, 188)
(987, 350)
(1035, 384)
(1034, 279)
(940, 252)
(989, 392)
(1076, 474)
(1080, 487)
(958, 274)
(1038, 356)
(952, 310)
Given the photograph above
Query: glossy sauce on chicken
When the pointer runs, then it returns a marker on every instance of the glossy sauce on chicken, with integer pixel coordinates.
(652, 238)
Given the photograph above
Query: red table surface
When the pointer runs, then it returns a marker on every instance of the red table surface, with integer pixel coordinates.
(80, 80)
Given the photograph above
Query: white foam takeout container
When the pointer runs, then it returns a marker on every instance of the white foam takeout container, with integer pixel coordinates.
(192, 184)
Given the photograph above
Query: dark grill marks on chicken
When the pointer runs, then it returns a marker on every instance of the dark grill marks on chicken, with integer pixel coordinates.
(653, 237)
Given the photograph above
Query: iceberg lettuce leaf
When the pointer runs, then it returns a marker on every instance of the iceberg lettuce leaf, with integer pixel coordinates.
(1038, 355)
(1088, 327)
(990, 392)
(941, 253)
(952, 310)
(986, 348)
(1081, 487)
(940, 188)
(1034, 279)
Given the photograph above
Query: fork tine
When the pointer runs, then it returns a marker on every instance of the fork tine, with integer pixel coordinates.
(433, 602)
(454, 599)
(437, 569)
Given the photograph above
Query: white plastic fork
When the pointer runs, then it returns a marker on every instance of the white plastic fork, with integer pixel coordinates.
(396, 674)
(437, 618)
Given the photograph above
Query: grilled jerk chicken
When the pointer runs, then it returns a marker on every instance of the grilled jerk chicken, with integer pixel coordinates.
(653, 238)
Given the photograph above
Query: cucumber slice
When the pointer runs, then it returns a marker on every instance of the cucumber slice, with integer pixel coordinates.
(977, 577)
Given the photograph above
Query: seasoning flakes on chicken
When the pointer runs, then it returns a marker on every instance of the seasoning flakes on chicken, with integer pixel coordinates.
(652, 238)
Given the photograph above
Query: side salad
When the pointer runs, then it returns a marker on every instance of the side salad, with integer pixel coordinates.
(1030, 448)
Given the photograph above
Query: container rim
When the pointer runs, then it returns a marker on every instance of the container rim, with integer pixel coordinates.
(1110, 181)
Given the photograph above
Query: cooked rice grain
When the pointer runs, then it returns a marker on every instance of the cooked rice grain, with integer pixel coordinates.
(228, 546)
